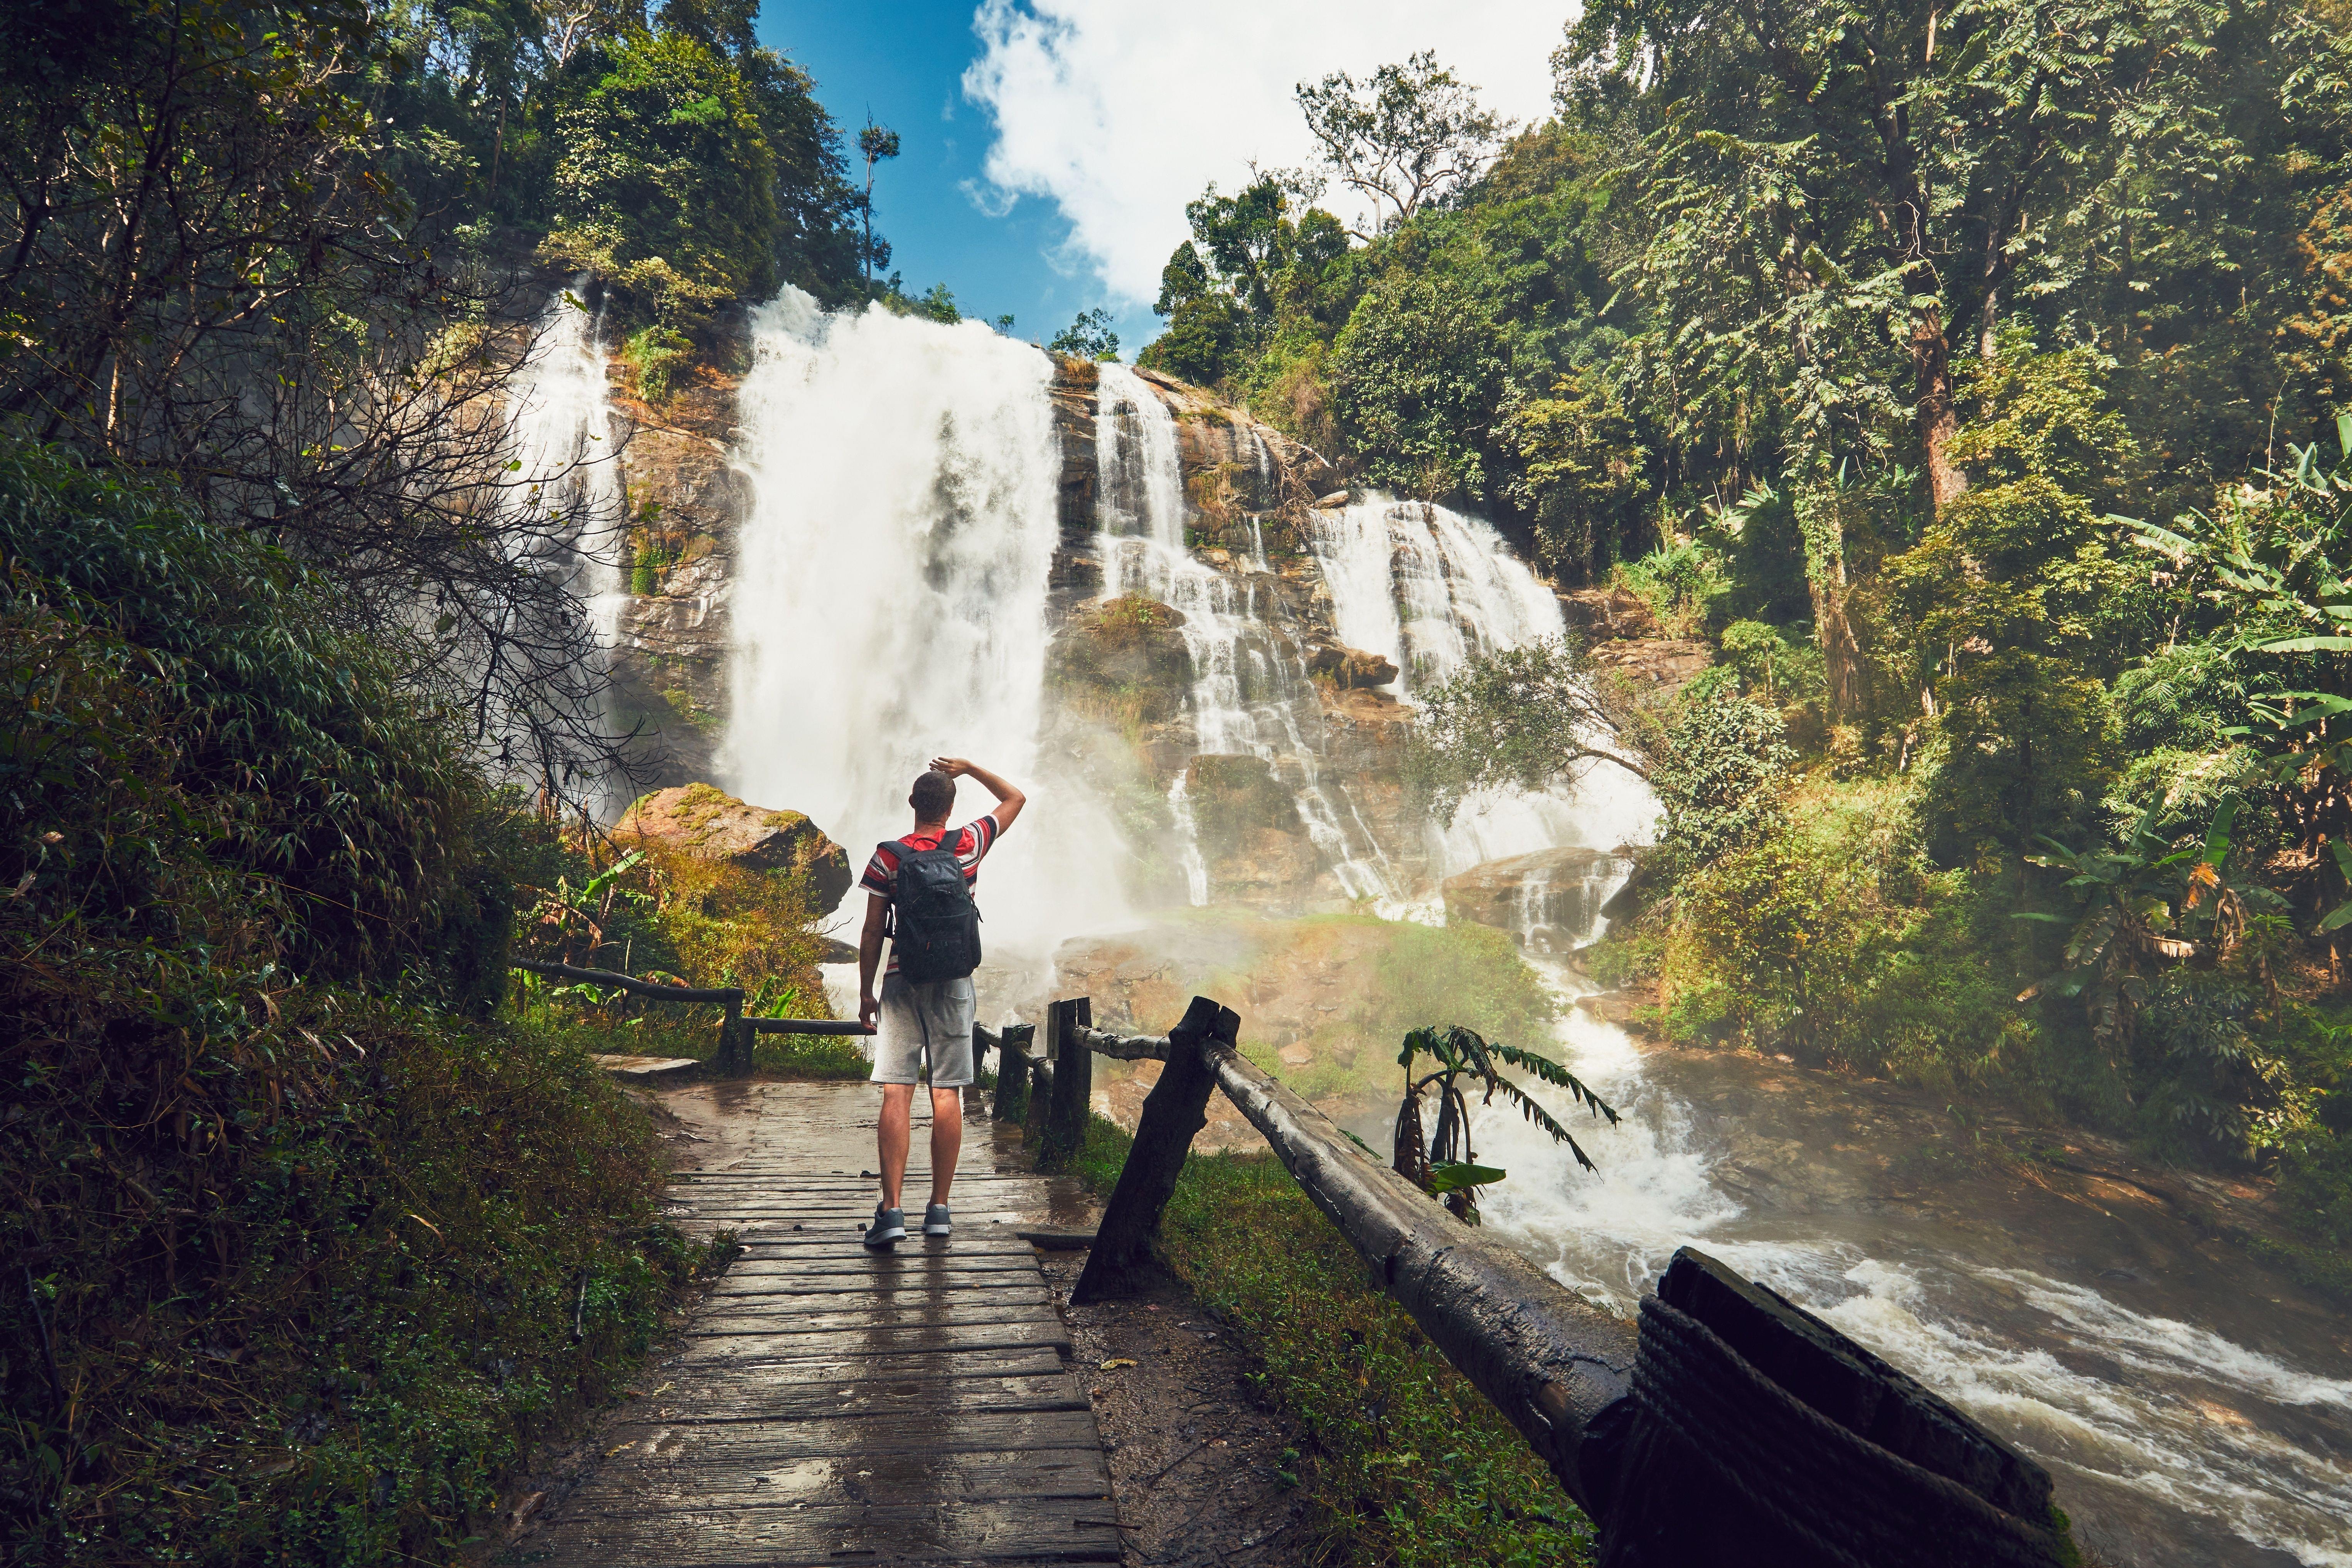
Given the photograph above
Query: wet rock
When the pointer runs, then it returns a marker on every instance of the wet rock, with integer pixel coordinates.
(1251, 835)
(1655, 667)
(701, 820)
(1603, 614)
(1350, 668)
(1072, 394)
(1549, 901)
(1123, 659)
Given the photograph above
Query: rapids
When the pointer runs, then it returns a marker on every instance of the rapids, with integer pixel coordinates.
(2194, 1409)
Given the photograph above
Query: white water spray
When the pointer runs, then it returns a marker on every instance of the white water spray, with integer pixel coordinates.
(892, 593)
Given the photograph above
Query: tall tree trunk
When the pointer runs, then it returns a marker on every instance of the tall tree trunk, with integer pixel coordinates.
(1822, 524)
(1938, 415)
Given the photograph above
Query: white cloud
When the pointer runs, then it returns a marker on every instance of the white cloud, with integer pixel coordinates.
(1120, 110)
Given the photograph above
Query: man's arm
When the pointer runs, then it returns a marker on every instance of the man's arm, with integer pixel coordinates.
(1009, 800)
(869, 958)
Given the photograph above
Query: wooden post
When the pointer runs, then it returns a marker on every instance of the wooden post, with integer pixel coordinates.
(734, 1040)
(1072, 1090)
(1012, 1072)
(1177, 1108)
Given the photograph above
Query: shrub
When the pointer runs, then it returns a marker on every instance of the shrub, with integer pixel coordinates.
(310, 1257)
(657, 357)
(1721, 782)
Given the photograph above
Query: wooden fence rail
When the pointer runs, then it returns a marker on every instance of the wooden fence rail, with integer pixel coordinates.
(1728, 1426)
(735, 1030)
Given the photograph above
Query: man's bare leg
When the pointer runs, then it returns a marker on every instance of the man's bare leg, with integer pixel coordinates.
(947, 1140)
(890, 1136)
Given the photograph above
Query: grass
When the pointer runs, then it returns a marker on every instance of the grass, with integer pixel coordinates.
(1402, 1462)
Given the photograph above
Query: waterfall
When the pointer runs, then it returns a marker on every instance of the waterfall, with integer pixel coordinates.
(1427, 588)
(891, 604)
(563, 443)
(564, 495)
(1251, 695)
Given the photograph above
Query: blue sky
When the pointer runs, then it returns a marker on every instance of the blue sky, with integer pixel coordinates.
(906, 64)
(1058, 184)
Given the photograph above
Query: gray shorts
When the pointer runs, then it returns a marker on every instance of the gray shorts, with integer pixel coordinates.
(933, 1020)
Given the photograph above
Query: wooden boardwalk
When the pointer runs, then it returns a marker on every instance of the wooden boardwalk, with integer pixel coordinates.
(832, 1405)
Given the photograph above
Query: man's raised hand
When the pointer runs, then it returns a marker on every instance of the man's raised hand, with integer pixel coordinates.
(954, 767)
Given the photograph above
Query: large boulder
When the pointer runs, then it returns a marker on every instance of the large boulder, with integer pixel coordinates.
(698, 819)
(1349, 668)
(1549, 901)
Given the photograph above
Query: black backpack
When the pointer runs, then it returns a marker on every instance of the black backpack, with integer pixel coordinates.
(933, 921)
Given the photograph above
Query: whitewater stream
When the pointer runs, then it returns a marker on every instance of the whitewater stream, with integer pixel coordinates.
(893, 602)
(2194, 1408)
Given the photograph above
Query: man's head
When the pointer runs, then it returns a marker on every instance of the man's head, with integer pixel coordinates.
(933, 796)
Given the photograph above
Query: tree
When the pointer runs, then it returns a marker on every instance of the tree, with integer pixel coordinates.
(666, 184)
(1443, 1164)
(1403, 139)
(1834, 181)
(875, 143)
(1088, 337)
(2014, 607)
(215, 279)
(1225, 289)
(1524, 717)
(1416, 376)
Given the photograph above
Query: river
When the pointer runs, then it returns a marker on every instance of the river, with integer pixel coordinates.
(2194, 1407)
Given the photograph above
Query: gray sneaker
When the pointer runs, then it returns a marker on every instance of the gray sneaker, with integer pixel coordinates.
(935, 1220)
(889, 1225)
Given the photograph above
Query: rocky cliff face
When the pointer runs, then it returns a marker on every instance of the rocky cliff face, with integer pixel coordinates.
(1145, 698)
(684, 500)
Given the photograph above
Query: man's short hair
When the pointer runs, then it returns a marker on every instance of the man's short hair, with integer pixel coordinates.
(933, 796)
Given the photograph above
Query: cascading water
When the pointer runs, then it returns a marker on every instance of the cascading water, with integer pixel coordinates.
(2174, 1442)
(1426, 588)
(565, 491)
(1250, 695)
(563, 441)
(891, 598)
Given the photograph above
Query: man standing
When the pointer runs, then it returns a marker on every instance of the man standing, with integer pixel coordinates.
(923, 1016)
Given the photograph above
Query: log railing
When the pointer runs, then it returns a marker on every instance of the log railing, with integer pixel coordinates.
(735, 1030)
(1728, 1426)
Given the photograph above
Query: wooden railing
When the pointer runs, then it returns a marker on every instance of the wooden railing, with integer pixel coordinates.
(1727, 1426)
(735, 1030)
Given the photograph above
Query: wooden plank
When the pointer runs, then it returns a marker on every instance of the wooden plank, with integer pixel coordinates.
(846, 1242)
(753, 1376)
(871, 1308)
(923, 1313)
(1019, 1531)
(856, 1394)
(738, 1349)
(943, 1430)
(919, 1266)
(974, 1286)
(983, 1476)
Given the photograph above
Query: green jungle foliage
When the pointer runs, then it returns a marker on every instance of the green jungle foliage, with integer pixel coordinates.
(1401, 1461)
(307, 1245)
(1973, 384)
